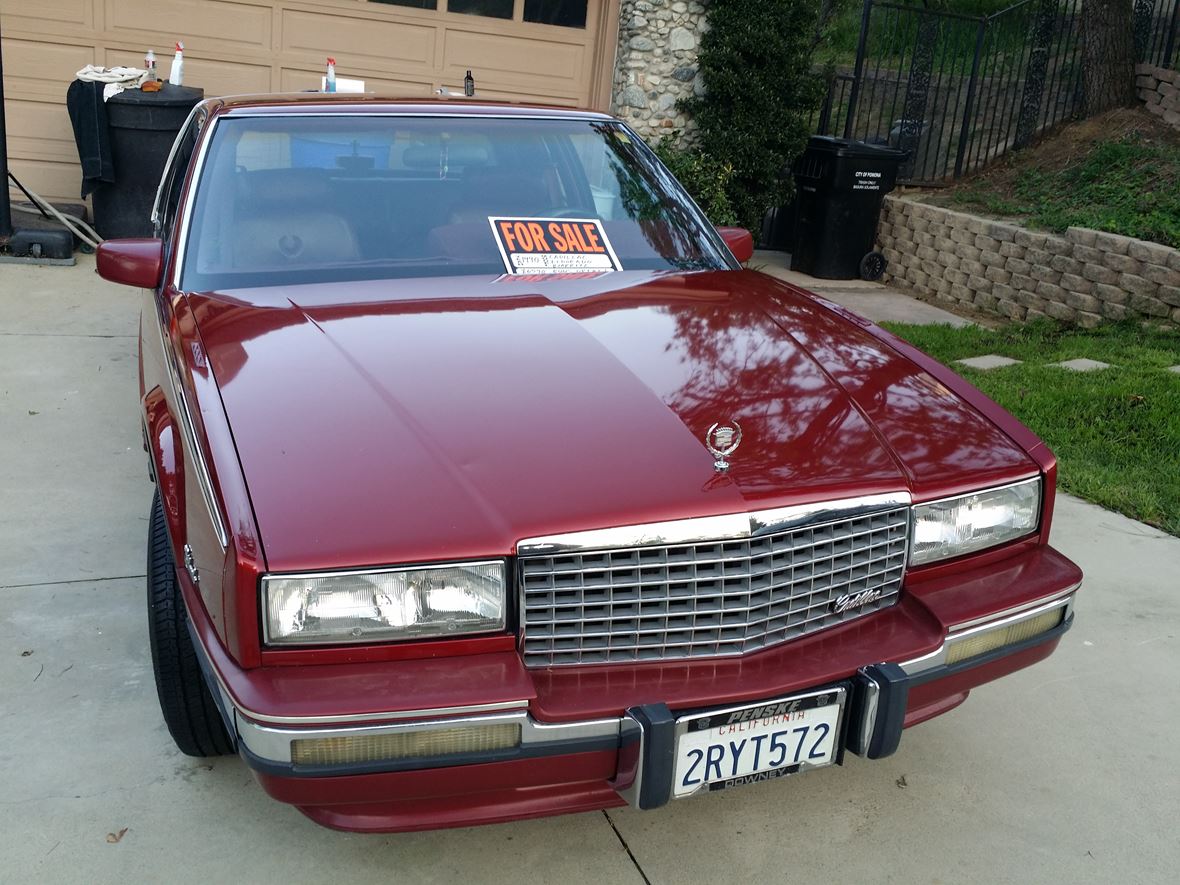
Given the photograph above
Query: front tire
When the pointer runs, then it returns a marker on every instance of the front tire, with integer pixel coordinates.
(189, 710)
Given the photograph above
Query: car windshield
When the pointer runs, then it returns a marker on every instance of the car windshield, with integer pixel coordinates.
(332, 198)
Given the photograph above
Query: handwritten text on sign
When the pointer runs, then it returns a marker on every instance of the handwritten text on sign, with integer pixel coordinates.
(540, 245)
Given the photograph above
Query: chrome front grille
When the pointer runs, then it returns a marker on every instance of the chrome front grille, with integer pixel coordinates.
(779, 580)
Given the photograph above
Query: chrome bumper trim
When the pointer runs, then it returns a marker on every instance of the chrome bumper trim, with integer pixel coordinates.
(392, 716)
(1015, 610)
(937, 658)
(274, 744)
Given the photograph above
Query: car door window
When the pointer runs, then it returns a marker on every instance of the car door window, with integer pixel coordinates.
(173, 182)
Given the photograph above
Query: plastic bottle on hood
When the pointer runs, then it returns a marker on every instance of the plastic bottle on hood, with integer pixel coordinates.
(330, 80)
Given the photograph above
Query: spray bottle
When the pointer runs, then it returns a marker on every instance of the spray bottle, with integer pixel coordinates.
(176, 75)
(330, 80)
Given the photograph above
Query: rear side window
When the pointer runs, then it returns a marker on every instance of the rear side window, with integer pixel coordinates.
(304, 198)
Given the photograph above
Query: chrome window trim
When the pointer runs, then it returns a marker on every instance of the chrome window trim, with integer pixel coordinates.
(176, 142)
(239, 114)
(178, 256)
(187, 430)
(937, 658)
(274, 744)
(703, 529)
(381, 570)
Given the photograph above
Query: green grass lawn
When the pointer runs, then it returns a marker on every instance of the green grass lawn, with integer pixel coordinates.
(1116, 432)
(1130, 186)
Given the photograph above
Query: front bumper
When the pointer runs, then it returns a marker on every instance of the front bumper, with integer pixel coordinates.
(598, 763)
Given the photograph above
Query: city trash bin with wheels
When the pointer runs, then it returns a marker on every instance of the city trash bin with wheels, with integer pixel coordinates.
(840, 187)
(142, 127)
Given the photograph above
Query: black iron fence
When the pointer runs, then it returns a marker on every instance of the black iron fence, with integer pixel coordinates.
(957, 90)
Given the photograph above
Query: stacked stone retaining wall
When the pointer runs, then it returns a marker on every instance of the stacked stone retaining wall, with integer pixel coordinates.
(1159, 90)
(1083, 277)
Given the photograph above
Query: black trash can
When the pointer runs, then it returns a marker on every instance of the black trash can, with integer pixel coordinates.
(840, 187)
(142, 127)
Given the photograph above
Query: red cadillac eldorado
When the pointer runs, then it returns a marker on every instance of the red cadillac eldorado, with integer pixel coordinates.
(489, 485)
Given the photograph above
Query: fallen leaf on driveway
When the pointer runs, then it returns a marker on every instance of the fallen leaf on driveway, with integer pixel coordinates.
(117, 837)
(26, 653)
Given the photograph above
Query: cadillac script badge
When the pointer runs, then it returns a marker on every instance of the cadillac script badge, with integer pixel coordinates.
(722, 440)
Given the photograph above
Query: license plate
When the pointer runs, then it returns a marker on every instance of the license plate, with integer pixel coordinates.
(757, 742)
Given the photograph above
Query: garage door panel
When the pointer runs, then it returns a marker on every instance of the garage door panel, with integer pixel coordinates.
(21, 13)
(42, 70)
(218, 77)
(200, 24)
(383, 42)
(54, 181)
(299, 79)
(559, 63)
(40, 130)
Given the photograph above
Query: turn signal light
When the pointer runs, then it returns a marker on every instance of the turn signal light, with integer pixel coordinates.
(989, 640)
(424, 743)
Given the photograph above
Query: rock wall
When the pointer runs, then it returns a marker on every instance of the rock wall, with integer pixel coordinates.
(1084, 277)
(657, 64)
(1159, 89)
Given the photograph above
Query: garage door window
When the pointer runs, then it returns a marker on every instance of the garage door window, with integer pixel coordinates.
(490, 8)
(416, 4)
(566, 13)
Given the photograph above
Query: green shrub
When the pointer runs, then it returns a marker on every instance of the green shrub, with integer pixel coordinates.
(756, 62)
(703, 176)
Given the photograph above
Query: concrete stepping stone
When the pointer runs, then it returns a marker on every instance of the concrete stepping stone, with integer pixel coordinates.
(1175, 369)
(1082, 365)
(987, 362)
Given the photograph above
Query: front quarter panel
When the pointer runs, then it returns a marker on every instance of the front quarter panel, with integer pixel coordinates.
(195, 464)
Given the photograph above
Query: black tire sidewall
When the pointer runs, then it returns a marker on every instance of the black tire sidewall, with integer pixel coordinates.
(189, 709)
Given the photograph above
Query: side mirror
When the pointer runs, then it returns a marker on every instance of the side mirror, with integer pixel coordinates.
(132, 262)
(740, 242)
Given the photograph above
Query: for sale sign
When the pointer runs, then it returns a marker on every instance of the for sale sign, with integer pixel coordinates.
(553, 245)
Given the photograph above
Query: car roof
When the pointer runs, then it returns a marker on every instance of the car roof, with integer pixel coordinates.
(370, 103)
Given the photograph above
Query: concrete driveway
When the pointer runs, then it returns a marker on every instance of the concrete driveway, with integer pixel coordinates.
(1063, 773)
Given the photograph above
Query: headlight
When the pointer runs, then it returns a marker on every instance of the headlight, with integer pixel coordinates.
(956, 526)
(384, 605)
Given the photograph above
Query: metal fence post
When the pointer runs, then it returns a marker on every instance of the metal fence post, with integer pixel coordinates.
(917, 92)
(1170, 46)
(825, 112)
(858, 73)
(972, 84)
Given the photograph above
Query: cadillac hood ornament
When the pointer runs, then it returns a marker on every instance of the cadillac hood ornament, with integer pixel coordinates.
(722, 440)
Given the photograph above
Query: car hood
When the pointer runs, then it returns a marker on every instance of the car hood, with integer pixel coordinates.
(402, 421)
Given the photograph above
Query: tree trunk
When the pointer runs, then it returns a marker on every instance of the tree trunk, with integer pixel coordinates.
(1108, 55)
